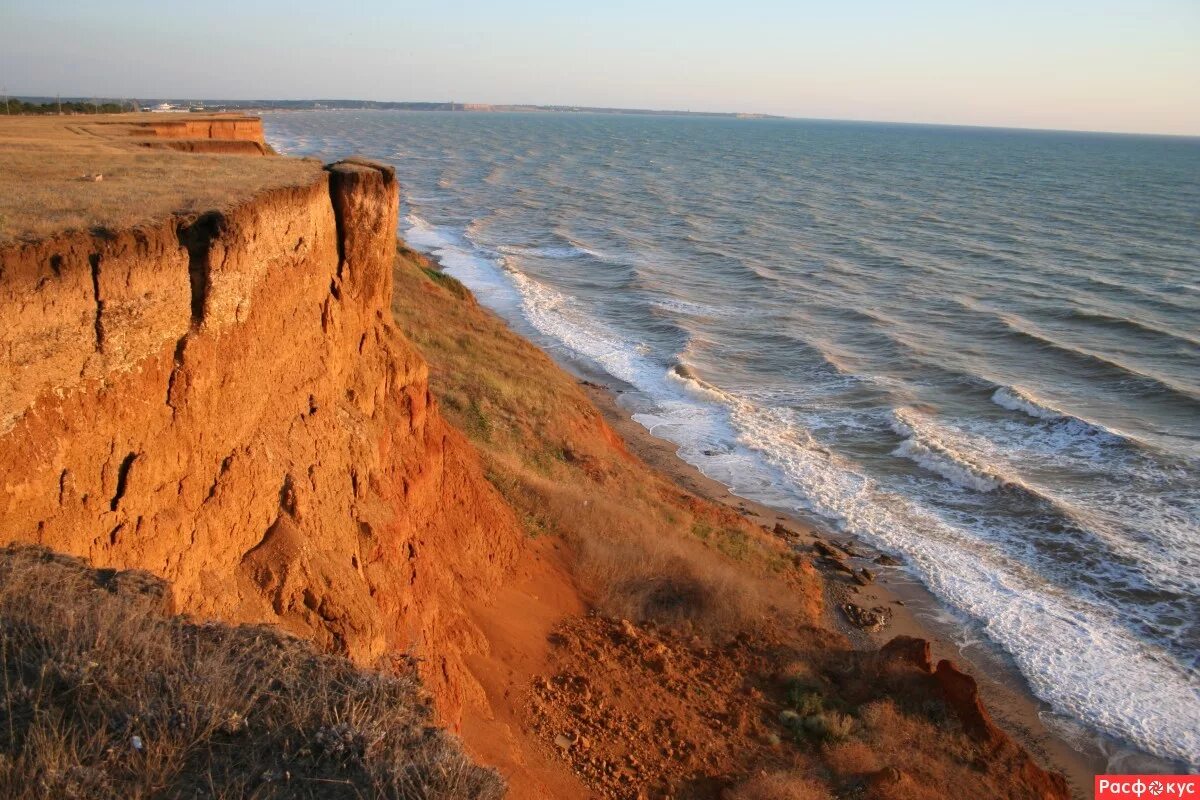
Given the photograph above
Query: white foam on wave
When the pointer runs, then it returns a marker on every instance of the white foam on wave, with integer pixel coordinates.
(1016, 399)
(1151, 527)
(551, 252)
(1074, 653)
(950, 467)
(693, 309)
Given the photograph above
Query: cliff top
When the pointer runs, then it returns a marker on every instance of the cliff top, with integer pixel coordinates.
(149, 166)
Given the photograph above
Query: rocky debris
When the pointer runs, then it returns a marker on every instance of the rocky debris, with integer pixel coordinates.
(848, 549)
(639, 711)
(784, 531)
(908, 650)
(825, 550)
(960, 692)
(885, 560)
(867, 619)
(864, 576)
(836, 563)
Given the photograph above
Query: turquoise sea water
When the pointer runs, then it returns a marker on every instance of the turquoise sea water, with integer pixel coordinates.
(976, 349)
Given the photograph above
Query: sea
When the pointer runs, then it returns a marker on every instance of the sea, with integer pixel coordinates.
(977, 350)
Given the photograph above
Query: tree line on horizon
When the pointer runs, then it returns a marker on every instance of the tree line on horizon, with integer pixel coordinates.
(74, 107)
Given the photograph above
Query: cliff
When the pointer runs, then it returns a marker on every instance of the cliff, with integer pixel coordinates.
(219, 383)
(223, 400)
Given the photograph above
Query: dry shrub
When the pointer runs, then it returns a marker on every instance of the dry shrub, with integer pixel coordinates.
(779, 786)
(850, 759)
(105, 696)
(931, 756)
(673, 582)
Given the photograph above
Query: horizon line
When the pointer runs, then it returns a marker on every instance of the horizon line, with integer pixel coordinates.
(630, 110)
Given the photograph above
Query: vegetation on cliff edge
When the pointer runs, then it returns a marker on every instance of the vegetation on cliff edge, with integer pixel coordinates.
(107, 695)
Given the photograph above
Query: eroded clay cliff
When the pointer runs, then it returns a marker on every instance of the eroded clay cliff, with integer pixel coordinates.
(225, 401)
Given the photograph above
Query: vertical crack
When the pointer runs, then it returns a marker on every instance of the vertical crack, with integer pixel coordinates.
(177, 364)
(198, 237)
(122, 480)
(98, 324)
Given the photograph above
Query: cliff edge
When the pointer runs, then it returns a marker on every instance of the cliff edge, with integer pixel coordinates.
(224, 400)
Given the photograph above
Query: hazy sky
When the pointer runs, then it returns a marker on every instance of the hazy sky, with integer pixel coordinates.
(1125, 65)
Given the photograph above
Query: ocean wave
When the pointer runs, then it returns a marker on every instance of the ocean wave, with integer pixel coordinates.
(937, 456)
(1067, 647)
(550, 252)
(691, 308)
(1123, 374)
(1135, 326)
(1016, 398)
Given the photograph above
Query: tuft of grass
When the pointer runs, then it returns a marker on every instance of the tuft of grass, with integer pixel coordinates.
(107, 695)
(449, 282)
(805, 702)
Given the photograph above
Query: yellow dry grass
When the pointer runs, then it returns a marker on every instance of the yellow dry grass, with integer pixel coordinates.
(105, 695)
(45, 161)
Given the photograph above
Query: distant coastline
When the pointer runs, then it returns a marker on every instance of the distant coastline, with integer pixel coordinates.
(109, 105)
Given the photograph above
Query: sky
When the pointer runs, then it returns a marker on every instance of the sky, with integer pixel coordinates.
(1067, 64)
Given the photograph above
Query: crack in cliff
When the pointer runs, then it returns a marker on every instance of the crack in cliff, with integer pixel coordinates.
(97, 324)
(177, 364)
(198, 237)
(122, 480)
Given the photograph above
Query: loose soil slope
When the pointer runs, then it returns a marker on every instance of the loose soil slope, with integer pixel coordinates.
(701, 669)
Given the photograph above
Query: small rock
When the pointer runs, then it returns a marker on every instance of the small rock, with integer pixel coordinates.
(864, 576)
(825, 549)
(871, 619)
(562, 742)
(836, 563)
(886, 560)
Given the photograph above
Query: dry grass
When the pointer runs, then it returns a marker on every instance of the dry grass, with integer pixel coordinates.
(645, 551)
(851, 759)
(43, 161)
(789, 785)
(106, 696)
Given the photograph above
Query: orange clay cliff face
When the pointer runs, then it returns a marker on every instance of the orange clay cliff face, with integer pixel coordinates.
(224, 400)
